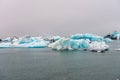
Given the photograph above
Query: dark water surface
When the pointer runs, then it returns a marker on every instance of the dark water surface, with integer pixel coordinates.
(47, 64)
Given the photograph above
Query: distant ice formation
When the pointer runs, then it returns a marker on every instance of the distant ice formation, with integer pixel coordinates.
(90, 37)
(27, 41)
(114, 36)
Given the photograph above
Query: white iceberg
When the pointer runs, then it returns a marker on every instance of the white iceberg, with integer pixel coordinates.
(5, 45)
(31, 42)
(98, 46)
(27, 41)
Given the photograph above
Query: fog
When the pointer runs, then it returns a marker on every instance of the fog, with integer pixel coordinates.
(58, 17)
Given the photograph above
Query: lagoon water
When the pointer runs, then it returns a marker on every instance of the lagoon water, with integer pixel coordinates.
(47, 64)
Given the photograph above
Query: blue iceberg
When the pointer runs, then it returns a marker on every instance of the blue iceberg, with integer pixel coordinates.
(114, 36)
(27, 41)
(81, 42)
(69, 44)
(91, 37)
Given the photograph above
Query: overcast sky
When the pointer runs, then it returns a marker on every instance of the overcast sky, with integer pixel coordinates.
(58, 17)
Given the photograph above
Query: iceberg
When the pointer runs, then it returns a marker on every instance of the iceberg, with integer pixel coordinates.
(98, 46)
(31, 42)
(114, 36)
(69, 44)
(81, 42)
(8, 39)
(75, 42)
(5, 45)
(56, 38)
(107, 40)
(27, 41)
(90, 37)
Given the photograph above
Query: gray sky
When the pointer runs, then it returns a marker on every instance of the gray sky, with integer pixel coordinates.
(58, 17)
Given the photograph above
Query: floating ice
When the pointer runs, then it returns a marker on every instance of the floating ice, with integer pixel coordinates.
(27, 41)
(69, 44)
(114, 36)
(75, 42)
(56, 38)
(107, 40)
(5, 45)
(98, 46)
(90, 37)
(81, 42)
(6, 39)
